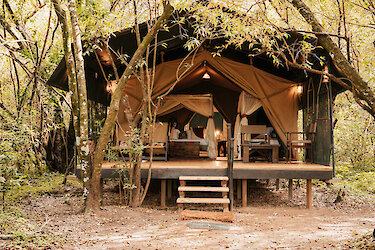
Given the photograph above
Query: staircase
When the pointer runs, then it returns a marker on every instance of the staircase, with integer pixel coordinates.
(223, 189)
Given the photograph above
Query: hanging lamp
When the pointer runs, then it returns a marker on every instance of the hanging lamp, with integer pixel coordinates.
(206, 76)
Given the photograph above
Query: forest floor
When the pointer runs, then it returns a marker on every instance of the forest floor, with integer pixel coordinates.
(270, 221)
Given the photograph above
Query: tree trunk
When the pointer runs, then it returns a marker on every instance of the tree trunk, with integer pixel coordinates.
(77, 85)
(360, 88)
(114, 107)
(69, 60)
(82, 140)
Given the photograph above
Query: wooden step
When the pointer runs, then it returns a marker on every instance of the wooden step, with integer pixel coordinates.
(204, 200)
(202, 189)
(203, 178)
(207, 215)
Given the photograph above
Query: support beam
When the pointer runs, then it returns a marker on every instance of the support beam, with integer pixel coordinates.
(230, 164)
(277, 184)
(163, 192)
(244, 192)
(238, 190)
(308, 193)
(169, 189)
(290, 189)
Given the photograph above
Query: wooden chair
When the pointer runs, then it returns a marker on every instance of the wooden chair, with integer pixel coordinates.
(251, 135)
(306, 142)
(160, 143)
(254, 133)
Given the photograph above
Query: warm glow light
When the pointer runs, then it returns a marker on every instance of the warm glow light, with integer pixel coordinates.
(217, 133)
(111, 86)
(325, 77)
(108, 88)
(206, 76)
(299, 89)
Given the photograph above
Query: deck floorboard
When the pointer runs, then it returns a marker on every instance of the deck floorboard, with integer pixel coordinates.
(254, 170)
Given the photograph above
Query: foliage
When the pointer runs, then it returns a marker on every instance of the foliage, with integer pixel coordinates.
(24, 233)
(126, 158)
(46, 183)
(27, 106)
(365, 241)
(17, 155)
(354, 144)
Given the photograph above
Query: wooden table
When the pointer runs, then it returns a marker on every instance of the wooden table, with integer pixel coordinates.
(273, 146)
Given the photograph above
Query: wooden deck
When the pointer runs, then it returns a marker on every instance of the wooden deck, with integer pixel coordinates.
(174, 168)
(170, 170)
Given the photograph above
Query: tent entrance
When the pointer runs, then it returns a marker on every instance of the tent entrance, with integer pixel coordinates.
(230, 100)
(228, 79)
(178, 110)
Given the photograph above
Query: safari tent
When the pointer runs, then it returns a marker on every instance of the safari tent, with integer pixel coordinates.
(236, 84)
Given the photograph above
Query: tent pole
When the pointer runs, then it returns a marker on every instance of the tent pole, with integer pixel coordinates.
(330, 105)
(230, 153)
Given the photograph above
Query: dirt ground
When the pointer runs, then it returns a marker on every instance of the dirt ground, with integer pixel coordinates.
(270, 221)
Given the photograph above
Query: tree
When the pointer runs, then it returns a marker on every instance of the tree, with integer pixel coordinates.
(25, 56)
(94, 193)
(77, 83)
(365, 96)
(76, 74)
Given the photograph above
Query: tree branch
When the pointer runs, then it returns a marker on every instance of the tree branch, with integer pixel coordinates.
(359, 86)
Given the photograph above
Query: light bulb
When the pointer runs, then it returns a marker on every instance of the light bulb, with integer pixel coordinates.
(299, 89)
(206, 76)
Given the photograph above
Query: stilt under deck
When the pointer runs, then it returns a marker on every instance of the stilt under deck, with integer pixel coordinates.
(173, 169)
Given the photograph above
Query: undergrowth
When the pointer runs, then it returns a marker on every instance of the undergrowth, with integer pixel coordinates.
(21, 230)
(360, 180)
(366, 241)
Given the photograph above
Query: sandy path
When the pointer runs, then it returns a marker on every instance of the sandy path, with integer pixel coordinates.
(260, 228)
(270, 221)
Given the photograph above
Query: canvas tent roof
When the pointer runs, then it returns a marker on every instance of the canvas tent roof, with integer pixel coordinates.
(124, 42)
(278, 96)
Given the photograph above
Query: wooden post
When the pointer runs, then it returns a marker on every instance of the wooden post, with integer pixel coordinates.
(230, 153)
(308, 193)
(275, 154)
(169, 189)
(246, 155)
(162, 193)
(244, 192)
(290, 189)
(277, 184)
(238, 189)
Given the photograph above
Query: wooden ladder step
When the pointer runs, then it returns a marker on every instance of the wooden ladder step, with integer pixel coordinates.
(204, 200)
(203, 178)
(202, 189)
